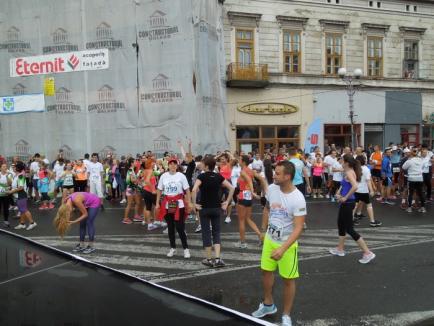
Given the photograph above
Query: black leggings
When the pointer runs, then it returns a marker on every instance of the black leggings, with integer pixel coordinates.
(345, 221)
(5, 202)
(427, 182)
(210, 216)
(412, 186)
(335, 186)
(180, 228)
(80, 185)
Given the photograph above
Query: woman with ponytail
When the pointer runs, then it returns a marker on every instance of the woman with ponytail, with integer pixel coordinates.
(88, 206)
(345, 197)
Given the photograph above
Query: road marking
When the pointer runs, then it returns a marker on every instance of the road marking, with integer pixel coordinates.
(399, 319)
(140, 274)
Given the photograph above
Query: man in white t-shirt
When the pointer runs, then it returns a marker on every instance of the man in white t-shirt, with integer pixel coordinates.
(34, 172)
(328, 174)
(95, 175)
(283, 220)
(58, 169)
(257, 164)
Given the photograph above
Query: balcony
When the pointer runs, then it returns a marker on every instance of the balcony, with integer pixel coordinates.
(247, 75)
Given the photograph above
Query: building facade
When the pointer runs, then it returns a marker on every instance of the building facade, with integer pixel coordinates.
(283, 59)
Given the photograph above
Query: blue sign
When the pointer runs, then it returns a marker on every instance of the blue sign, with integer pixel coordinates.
(8, 104)
(313, 136)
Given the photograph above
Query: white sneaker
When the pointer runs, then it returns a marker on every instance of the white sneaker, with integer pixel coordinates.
(187, 253)
(171, 252)
(286, 320)
(166, 231)
(337, 252)
(152, 226)
(31, 226)
(367, 258)
(228, 219)
(198, 229)
(123, 201)
(241, 245)
(20, 226)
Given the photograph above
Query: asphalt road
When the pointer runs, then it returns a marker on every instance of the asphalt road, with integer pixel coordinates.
(395, 289)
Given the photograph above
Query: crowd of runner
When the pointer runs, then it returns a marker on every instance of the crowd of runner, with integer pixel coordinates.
(162, 193)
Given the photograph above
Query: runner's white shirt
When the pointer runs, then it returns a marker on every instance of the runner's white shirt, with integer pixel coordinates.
(329, 160)
(173, 184)
(34, 168)
(337, 176)
(283, 209)
(95, 170)
(235, 174)
(362, 188)
(58, 169)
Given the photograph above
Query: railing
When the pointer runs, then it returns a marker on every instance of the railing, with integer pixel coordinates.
(253, 72)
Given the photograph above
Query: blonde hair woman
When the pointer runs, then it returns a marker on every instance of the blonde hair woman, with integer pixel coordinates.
(88, 206)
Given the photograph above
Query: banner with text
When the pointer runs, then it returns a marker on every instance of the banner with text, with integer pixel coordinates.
(313, 136)
(23, 103)
(60, 62)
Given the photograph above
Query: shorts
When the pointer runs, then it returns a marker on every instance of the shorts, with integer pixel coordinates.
(22, 205)
(68, 187)
(245, 202)
(122, 184)
(58, 184)
(288, 264)
(376, 173)
(35, 184)
(44, 196)
(387, 182)
(302, 188)
(150, 199)
(363, 197)
(130, 192)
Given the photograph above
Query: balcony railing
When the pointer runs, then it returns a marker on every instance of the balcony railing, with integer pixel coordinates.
(247, 75)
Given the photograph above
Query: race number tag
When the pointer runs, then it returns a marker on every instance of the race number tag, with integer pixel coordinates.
(247, 195)
(396, 170)
(275, 232)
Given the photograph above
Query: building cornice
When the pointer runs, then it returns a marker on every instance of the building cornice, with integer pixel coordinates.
(405, 29)
(233, 15)
(291, 20)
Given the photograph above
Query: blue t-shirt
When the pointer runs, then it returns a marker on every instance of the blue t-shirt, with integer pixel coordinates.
(386, 167)
(298, 177)
(396, 157)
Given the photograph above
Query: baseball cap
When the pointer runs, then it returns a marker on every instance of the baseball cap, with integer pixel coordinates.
(173, 159)
(394, 148)
(406, 150)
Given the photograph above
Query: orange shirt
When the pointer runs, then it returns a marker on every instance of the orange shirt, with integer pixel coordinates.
(80, 173)
(226, 171)
(378, 157)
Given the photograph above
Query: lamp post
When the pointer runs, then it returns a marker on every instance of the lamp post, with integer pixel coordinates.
(351, 89)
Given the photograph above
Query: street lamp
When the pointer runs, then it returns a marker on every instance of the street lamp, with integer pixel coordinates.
(351, 88)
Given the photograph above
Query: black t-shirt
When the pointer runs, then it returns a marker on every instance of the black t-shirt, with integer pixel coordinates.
(123, 169)
(210, 189)
(189, 172)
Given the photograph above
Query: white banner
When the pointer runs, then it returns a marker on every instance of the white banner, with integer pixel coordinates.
(22, 103)
(59, 63)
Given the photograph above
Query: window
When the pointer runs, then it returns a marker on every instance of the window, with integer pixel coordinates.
(375, 56)
(407, 7)
(371, 3)
(411, 59)
(333, 53)
(292, 51)
(245, 46)
(378, 4)
(415, 8)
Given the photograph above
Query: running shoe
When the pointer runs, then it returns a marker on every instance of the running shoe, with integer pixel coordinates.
(327, 196)
(403, 206)
(123, 201)
(43, 207)
(198, 229)
(380, 199)
(88, 250)
(31, 226)
(314, 196)
(359, 216)
(367, 258)
(171, 252)
(409, 210)
(264, 310)
(138, 218)
(187, 253)
(286, 321)
(241, 245)
(422, 210)
(333, 200)
(320, 196)
(152, 226)
(356, 221)
(50, 206)
(388, 202)
(208, 262)
(228, 219)
(375, 223)
(6, 224)
(20, 226)
(337, 252)
(219, 263)
(127, 221)
(166, 231)
(78, 248)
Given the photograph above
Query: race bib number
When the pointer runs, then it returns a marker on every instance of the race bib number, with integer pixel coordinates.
(396, 170)
(247, 195)
(275, 232)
